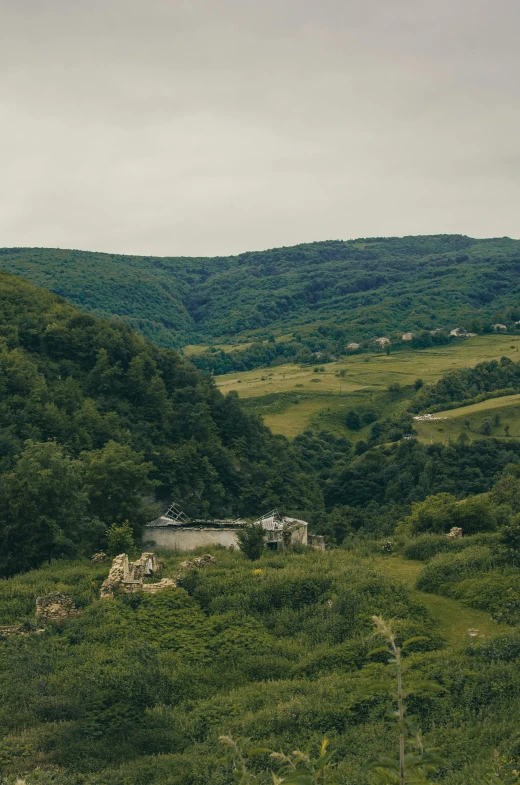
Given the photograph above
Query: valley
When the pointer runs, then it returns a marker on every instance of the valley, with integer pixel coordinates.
(292, 398)
(405, 463)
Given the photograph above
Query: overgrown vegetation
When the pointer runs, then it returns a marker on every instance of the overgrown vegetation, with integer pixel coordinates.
(140, 688)
(97, 425)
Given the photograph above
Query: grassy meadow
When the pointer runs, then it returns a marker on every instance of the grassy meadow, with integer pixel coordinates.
(499, 412)
(292, 398)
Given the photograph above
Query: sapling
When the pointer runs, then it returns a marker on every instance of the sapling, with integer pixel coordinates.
(413, 766)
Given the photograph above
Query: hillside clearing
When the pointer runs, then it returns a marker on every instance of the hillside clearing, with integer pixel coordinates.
(355, 380)
(498, 413)
(458, 624)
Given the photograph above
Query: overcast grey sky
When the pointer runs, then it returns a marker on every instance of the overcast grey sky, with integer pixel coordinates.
(218, 126)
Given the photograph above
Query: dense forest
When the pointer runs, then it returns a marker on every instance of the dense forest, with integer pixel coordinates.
(324, 294)
(485, 380)
(94, 420)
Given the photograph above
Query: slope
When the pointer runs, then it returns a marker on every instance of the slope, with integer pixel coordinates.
(348, 289)
(292, 398)
(94, 419)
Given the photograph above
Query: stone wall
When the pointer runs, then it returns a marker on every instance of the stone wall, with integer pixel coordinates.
(55, 607)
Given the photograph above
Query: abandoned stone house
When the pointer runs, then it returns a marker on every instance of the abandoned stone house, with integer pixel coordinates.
(174, 531)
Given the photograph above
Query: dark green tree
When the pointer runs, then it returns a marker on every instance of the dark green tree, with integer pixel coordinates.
(353, 420)
(43, 508)
(251, 540)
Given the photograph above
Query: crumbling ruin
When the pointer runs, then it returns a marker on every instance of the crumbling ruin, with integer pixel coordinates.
(129, 576)
(174, 531)
(55, 607)
(455, 533)
(317, 541)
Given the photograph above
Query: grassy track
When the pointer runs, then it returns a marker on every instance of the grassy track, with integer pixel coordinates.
(456, 621)
(358, 378)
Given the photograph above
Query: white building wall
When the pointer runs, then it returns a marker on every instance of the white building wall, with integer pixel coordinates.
(181, 538)
(187, 539)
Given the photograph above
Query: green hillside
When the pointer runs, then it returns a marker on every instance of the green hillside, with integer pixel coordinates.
(94, 420)
(139, 688)
(323, 293)
(293, 398)
(97, 423)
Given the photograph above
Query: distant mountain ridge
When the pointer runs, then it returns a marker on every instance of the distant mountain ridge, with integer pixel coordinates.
(364, 287)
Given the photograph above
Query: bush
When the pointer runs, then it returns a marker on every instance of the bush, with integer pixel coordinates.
(439, 513)
(251, 541)
(427, 546)
(446, 569)
(353, 420)
(120, 539)
(503, 648)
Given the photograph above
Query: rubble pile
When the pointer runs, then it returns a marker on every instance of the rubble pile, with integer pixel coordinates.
(455, 533)
(129, 576)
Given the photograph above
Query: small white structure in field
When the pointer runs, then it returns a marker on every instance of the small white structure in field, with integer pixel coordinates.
(459, 332)
(382, 341)
(500, 328)
(352, 346)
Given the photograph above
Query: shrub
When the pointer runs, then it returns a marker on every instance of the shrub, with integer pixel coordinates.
(438, 514)
(251, 541)
(427, 546)
(353, 420)
(120, 539)
(503, 648)
(446, 569)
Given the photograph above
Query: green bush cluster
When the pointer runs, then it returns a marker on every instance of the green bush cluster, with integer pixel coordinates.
(426, 546)
(139, 688)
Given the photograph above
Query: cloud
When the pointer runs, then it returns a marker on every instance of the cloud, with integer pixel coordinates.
(217, 126)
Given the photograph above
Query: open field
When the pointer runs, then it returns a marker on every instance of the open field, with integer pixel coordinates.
(358, 380)
(499, 412)
(194, 349)
(297, 418)
(456, 621)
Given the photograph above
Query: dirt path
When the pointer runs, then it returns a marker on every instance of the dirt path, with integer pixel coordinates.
(456, 621)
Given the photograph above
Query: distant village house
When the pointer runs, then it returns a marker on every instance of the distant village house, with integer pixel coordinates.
(407, 337)
(353, 346)
(500, 328)
(382, 341)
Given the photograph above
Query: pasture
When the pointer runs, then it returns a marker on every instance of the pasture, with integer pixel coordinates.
(319, 395)
(502, 416)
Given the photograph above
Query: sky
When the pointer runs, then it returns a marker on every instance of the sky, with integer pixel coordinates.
(206, 127)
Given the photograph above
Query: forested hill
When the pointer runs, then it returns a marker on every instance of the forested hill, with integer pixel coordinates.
(359, 289)
(94, 419)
